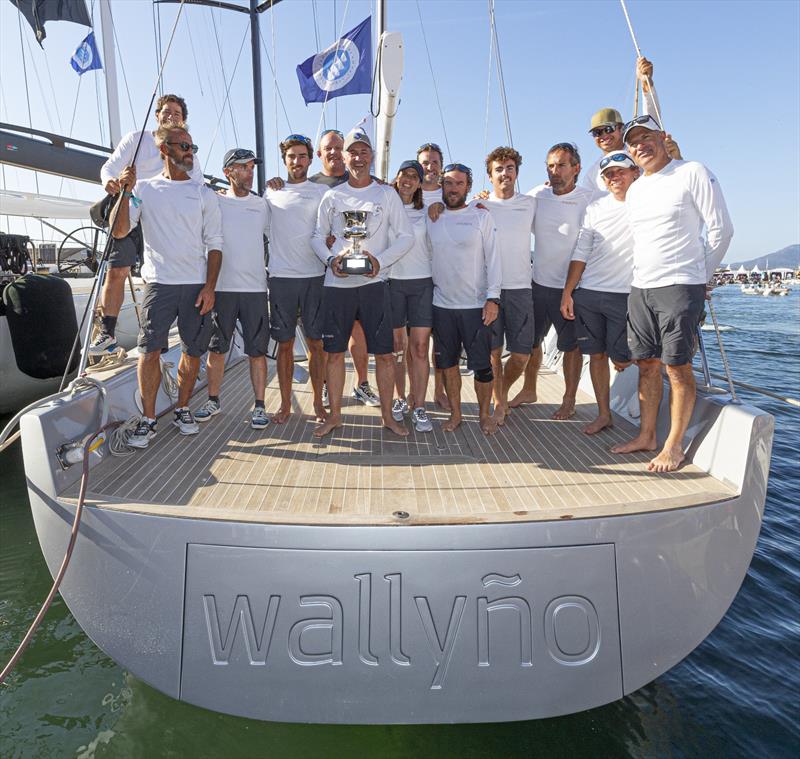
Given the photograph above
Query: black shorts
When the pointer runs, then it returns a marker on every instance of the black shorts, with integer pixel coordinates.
(455, 329)
(370, 305)
(662, 322)
(251, 310)
(126, 251)
(547, 313)
(290, 296)
(161, 305)
(412, 302)
(514, 323)
(601, 323)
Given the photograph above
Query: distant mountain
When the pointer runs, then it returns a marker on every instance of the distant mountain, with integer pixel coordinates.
(788, 257)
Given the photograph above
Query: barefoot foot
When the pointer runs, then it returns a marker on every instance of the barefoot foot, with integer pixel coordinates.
(639, 443)
(500, 414)
(281, 415)
(320, 412)
(396, 427)
(668, 460)
(523, 396)
(329, 425)
(488, 425)
(442, 401)
(452, 424)
(565, 411)
(602, 422)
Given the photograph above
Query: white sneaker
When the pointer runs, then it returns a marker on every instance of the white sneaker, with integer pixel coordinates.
(185, 422)
(366, 395)
(399, 409)
(259, 418)
(102, 344)
(326, 401)
(421, 421)
(207, 410)
(145, 431)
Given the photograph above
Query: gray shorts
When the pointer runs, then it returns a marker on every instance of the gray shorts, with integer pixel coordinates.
(514, 323)
(369, 304)
(290, 297)
(412, 302)
(662, 322)
(601, 323)
(455, 329)
(547, 313)
(251, 310)
(127, 250)
(161, 305)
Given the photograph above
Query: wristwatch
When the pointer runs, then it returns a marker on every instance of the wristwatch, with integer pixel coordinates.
(328, 262)
(496, 301)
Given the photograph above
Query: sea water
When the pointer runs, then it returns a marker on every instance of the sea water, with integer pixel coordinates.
(736, 695)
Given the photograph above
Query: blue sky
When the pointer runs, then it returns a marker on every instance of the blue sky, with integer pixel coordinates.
(726, 74)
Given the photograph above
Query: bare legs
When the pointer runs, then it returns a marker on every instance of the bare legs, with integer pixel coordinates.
(504, 378)
(358, 351)
(601, 378)
(572, 363)
(415, 353)
(316, 370)
(528, 392)
(149, 374)
(114, 290)
(483, 391)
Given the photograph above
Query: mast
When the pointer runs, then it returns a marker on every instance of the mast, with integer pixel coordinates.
(389, 76)
(257, 99)
(110, 70)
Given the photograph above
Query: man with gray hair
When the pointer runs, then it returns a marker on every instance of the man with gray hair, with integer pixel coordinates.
(182, 228)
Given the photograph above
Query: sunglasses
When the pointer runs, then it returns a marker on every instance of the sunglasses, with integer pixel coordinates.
(297, 138)
(600, 131)
(329, 131)
(185, 146)
(458, 167)
(645, 121)
(617, 158)
(568, 146)
(429, 146)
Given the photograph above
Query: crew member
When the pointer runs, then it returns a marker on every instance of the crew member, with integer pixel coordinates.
(170, 109)
(295, 273)
(467, 278)
(182, 229)
(411, 289)
(242, 285)
(603, 264)
(360, 296)
(669, 206)
(560, 206)
(513, 214)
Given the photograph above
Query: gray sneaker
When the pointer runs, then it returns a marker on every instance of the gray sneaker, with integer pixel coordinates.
(145, 431)
(259, 418)
(421, 421)
(185, 422)
(102, 344)
(366, 395)
(399, 409)
(326, 401)
(207, 410)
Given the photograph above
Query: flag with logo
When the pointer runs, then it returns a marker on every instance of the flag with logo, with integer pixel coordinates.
(344, 68)
(86, 58)
(38, 12)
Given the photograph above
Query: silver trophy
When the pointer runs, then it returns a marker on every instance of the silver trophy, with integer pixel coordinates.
(355, 230)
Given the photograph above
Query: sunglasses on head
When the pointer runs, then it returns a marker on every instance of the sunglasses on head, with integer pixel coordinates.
(646, 121)
(458, 167)
(599, 131)
(429, 146)
(185, 146)
(331, 131)
(298, 138)
(617, 158)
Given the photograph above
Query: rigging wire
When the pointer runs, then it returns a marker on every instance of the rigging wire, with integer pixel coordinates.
(274, 79)
(194, 56)
(274, 88)
(327, 91)
(639, 55)
(122, 64)
(488, 104)
(156, 40)
(210, 71)
(500, 78)
(316, 38)
(224, 76)
(435, 86)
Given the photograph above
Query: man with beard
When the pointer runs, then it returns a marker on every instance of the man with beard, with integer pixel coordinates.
(182, 230)
(513, 214)
(170, 109)
(365, 297)
(295, 273)
(560, 205)
(603, 264)
(467, 276)
(668, 207)
(241, 292)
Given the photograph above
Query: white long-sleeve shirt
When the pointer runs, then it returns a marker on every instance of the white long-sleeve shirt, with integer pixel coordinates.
(591, 177)
(555, 227)
(389, 231)
(245, 223)
(293, 211)
(466, 263)
(416, 263)
(605, 245)
(514, 221)
(668, 211)
(181, 222)
(148, 162)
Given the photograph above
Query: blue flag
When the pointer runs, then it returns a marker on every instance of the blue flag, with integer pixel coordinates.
(86, 58)
(344, 68)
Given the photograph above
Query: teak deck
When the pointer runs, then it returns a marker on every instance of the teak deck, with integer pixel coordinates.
(533, 469)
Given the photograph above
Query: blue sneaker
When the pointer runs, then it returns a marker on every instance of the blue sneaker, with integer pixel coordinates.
(207, 410)
(103, 344)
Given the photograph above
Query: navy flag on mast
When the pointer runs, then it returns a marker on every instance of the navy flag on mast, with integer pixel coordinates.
(38, 12)
(344, 68)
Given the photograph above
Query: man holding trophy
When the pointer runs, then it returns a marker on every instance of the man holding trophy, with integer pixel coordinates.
(371, 231)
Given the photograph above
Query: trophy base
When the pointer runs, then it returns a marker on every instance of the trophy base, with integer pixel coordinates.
(356, 265)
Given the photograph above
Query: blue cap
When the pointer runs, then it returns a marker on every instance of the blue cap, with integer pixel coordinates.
(416, 165)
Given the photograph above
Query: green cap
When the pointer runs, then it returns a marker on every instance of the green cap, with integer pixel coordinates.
(606, 117)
